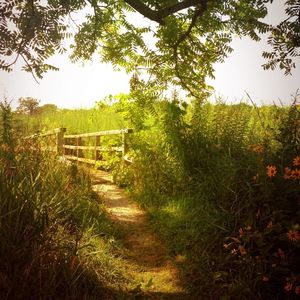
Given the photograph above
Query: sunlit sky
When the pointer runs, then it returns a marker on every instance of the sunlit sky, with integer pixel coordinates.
(81, 85)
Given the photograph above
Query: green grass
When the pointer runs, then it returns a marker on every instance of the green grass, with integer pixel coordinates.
(195, 178)
(76, 121)
(56, 241)
(197, 172)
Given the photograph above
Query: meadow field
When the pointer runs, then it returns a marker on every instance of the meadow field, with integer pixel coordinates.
(220, 184)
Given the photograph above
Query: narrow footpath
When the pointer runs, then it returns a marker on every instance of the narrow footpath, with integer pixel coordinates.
(145, 252)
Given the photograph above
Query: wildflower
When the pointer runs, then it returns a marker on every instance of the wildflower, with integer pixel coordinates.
(19, 149)
(180, 258)
(296, 174)
(291, 174)
(293, 235)
(280, 253)
(258, 149)
(270, 225)
(265, 279)
(297, 290)
(288, 287)
(287, 173)
(248, 227)
(241, 232)
(271, 171)
(225, 245)
(236, 240)
(5, 147)
(233, 251)
(242, 250)
(296, 161)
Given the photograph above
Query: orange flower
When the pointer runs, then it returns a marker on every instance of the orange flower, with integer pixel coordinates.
(233, 251)
(265, 279)
(242, 250)
(291, 174)
(296, 174)
(258, 148)
(288, 287)
(19, 149)
(287, 173)
(293, 235)
(271, 171)
(297, 290)
(296, 161)
(180, 258)
(248, 227)
(5, 147)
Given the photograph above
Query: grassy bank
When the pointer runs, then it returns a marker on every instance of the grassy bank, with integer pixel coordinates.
(222, 184)
(56, 242)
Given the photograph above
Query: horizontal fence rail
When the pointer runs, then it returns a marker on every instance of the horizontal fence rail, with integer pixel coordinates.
(57, 134)
(100, 133)
(64, 144)
(74, 142)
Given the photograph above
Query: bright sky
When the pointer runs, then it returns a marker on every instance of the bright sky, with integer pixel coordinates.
(77, 85)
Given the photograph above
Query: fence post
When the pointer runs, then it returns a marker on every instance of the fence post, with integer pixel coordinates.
(97, 144)
(60, 132)
(78, 143)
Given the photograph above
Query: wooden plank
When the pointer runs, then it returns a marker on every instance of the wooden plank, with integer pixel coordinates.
(117, 149)
(80, 159)
(97, 155)
(127, 159)
(60, 132)
(61, 140)
(78, 143)
(49, 132)
(74, 147)
(99, 133)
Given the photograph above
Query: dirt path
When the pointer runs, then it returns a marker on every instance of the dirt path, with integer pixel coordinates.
(145, 252)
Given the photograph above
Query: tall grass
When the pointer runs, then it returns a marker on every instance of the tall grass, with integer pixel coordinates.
(204, 172)
(76, 121)
(221, 184)
(56, 242)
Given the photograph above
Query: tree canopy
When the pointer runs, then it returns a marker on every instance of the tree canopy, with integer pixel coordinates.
(28, 106)
(189, 35)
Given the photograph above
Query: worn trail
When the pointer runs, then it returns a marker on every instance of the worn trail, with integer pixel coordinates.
(145, 252)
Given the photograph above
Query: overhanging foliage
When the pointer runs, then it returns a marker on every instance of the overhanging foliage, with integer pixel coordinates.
(189, 36)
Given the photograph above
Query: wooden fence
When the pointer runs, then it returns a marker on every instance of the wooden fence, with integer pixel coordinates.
(74, 143)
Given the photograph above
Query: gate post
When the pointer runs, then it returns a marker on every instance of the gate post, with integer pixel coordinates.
(60, 132)
(97, 144)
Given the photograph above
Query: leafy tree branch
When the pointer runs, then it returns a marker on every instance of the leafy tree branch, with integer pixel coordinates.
(186, 37)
